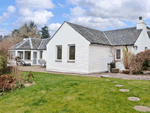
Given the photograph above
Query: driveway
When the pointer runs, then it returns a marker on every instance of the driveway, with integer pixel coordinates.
(106, 75)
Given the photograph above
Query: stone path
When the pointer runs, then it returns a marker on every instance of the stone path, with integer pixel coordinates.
(119, 85)
(134, 98)
(115, 81)
(107, 80)
(124, 90)
(142, 108)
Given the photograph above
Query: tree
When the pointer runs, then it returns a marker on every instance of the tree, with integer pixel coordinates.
(45, 32)
(1, 38)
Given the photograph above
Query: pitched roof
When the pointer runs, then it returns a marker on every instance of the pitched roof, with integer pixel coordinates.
(31, 44)
(93, 36)
(126, 36)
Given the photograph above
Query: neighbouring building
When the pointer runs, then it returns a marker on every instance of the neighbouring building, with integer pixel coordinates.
(30, 50)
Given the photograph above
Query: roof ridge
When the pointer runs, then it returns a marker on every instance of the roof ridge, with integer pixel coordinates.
(84, 26)
(99, 30)
(40, 44)
(24, 41)
(107, 38)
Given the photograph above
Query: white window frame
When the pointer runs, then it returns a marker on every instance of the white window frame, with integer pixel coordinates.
(116, 54)
(58, 60)
(71, 61)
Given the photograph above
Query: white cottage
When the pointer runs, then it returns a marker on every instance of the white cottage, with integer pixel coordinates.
(78, 49)
(30, 50)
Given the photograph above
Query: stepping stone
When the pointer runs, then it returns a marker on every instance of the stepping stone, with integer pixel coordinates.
(141, 108)
(119, 85)
(105, 76)
(115, 81)
(134, 98)
(124, 90)
(107, 80)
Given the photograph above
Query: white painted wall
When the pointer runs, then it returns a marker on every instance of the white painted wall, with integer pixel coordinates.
(67, 35)
(99, 56)
(142, 42)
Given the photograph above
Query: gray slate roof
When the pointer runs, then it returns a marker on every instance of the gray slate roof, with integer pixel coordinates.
(126, 36)
(31, 44)
(93, 36)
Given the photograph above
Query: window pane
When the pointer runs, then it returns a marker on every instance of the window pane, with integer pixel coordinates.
(118, 54)
(27, 55)
(71, 52)
(41, 52)
(59, 52)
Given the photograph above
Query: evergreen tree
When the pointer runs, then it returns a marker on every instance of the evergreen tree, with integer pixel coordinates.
(45, 32)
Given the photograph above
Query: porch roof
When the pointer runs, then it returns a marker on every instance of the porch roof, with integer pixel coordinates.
(31, 44)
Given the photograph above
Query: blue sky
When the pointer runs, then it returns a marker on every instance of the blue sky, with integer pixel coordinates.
(97, 14)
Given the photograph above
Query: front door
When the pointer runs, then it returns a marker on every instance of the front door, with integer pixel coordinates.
(34, 58)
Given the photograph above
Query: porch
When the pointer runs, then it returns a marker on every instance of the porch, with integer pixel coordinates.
(28, 56)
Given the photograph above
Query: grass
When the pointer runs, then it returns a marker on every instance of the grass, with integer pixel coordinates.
(55, 93)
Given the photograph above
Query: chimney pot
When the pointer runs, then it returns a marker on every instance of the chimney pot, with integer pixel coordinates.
(140, 18)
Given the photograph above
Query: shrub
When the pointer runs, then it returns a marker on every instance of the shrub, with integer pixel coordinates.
(137, 62)
(125, 72)
(127, 55)
(7, 82)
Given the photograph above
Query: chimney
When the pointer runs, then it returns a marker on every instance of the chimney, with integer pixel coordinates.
(141, 24)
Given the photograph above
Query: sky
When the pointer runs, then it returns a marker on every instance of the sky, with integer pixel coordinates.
(97, 14)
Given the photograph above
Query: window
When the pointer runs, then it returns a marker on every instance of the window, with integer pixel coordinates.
(146, 48)
(27, 55)
(41, 54)
(59, 52)
(135, 47)
(20, 54)
(71, 52)
(118, 54)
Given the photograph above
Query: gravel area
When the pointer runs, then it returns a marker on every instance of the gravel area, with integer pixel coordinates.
(107, 75)
(125, 76)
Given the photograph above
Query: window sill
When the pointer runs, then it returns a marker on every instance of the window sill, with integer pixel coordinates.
(70, 61)
(58, 60)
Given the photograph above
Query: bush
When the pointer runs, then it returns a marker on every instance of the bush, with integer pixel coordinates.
(137, 62)
(127, 55)
(125, 72)
(7, 82)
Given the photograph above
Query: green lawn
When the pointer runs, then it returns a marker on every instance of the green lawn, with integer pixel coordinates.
(54, 93)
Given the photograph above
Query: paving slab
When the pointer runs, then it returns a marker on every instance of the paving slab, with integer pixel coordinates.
(142, 108)
(133, 98)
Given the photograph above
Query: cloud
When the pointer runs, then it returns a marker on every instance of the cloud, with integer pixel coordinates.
(77, 11)
(112, 12)
(39, 17)
(61, 5)
(34, 10)
(10, 10)
(42, 4)
(4, 31)
(54, 26)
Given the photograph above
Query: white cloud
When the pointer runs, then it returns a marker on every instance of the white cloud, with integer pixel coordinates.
(61, 5)
(54, 26)
(39, 17)
(11, 9)
(42, 4)
(4, 31)
(34, 10)
(77, 11)
(107, 13)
